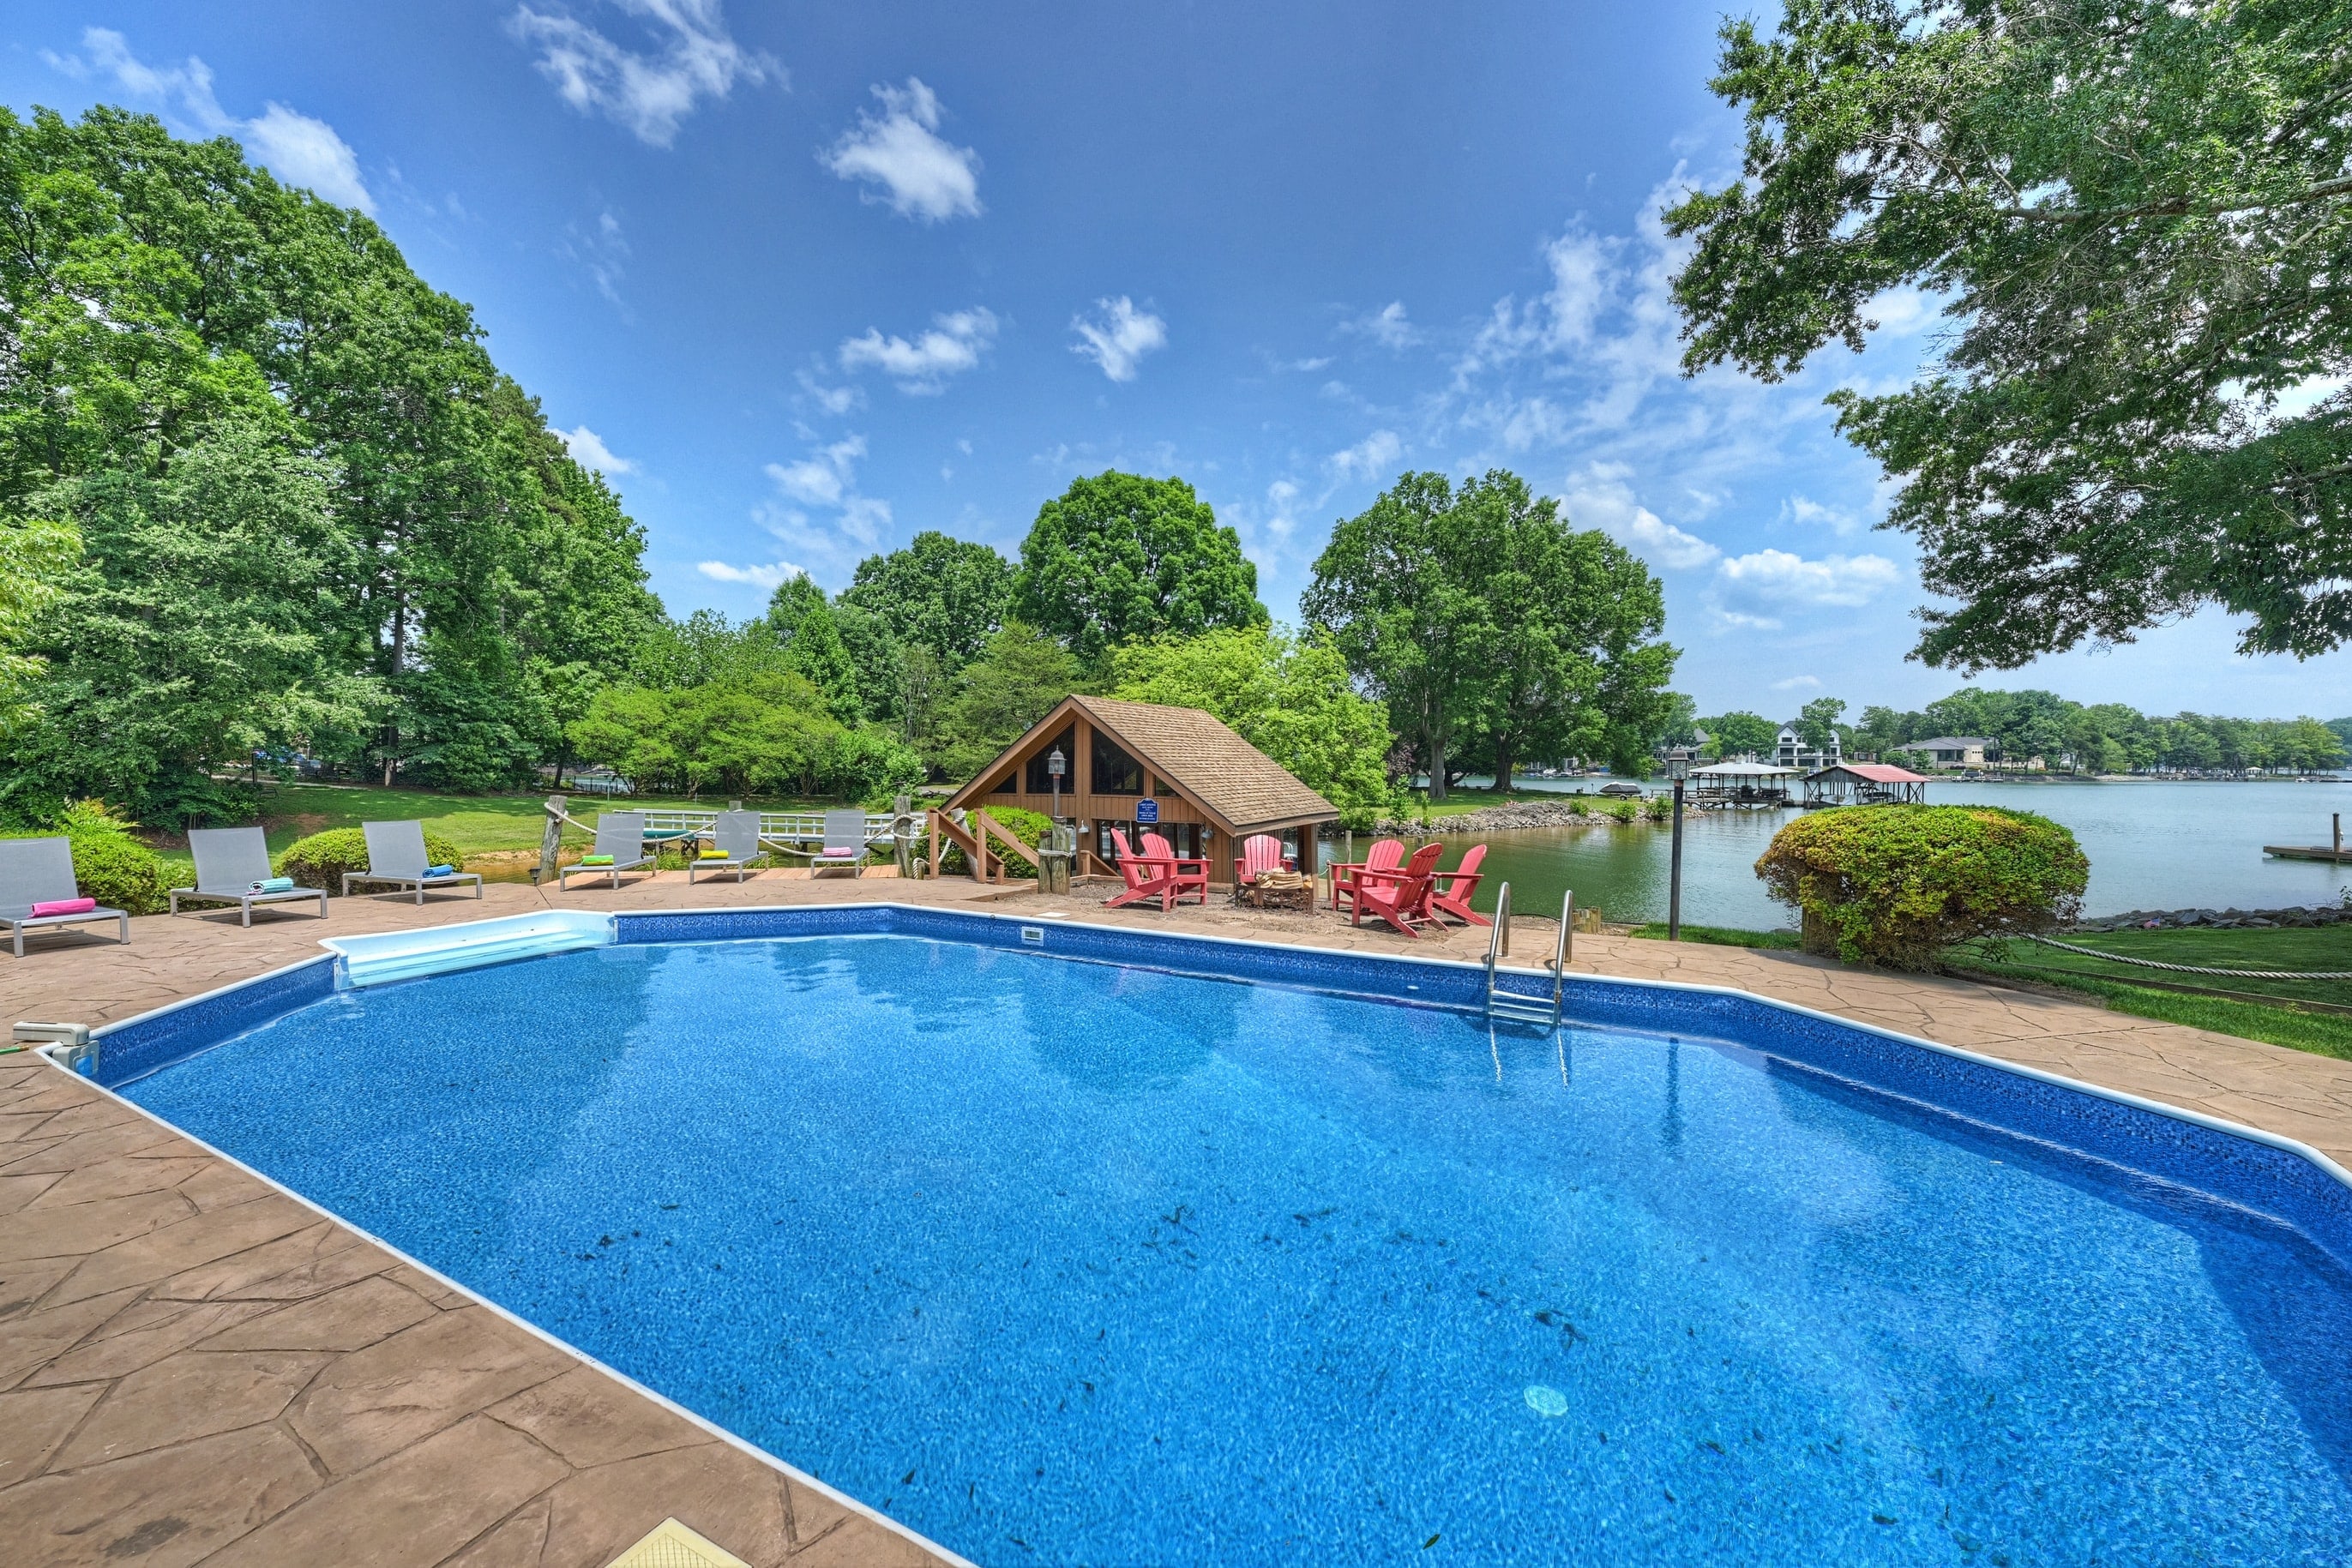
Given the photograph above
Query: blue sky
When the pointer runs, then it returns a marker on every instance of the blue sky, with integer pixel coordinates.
(804, 280)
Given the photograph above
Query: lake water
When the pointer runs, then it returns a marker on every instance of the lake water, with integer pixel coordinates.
(2151, 846)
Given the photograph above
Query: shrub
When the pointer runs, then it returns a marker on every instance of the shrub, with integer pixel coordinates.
(320, 860)
(1658, 807)
(1029, 827)
(1616, 810)
(1897, 884)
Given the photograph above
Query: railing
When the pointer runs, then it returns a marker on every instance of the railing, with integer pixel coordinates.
(776, 827)
(1527, 1010)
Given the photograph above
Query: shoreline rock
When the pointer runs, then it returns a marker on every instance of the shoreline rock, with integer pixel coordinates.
(2217, 919)
(1499, 819)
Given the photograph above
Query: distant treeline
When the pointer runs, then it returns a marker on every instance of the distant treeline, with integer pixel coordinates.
(2023, 727)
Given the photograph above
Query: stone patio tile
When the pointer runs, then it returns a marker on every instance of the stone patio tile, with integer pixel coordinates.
(72, 1153)
(33, 1422)
(141, 1335)
(418, 1505)
(168, 1508)
(713, 1488)
(376, 1401)
(521, 1541)
(120, 1178)
(349, 1319)
(590, 1419)
(186, 1397)
(45, 1232)
(305, 1262)
(40, 1334)
(155, 1257)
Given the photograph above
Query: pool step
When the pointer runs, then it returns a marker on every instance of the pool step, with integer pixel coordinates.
(390, 955)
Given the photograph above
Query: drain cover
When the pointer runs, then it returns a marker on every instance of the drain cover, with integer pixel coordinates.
(672, 1545)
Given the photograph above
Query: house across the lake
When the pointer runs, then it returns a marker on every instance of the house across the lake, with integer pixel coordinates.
(1951, 751)
(1794, 751)
(1143, 767)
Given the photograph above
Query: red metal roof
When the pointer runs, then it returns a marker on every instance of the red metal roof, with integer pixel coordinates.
(1877, 772)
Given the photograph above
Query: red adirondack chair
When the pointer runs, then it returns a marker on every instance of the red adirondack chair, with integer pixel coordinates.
(1386, 855)
(1397, 896)
(1449, 891)
(1260, 852)
(1192, 874)
(1144, 877)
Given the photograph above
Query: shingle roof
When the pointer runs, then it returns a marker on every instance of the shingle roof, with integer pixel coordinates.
(1217, 768)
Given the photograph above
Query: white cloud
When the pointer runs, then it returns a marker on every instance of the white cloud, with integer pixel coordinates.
(1797, 508)
(823, 477)
(921, 174)
(952, 345)
(1118, 336)
(863, 518)
(770, 576)
(588, 449)
(1370, 458)
(604, 251)
(1900, 312)
(1282, 508)
(649, 91)
(1775, 577)
(299, 150)
(1601, 497)
(1388, 327)
(1797, 684)
(835, 401)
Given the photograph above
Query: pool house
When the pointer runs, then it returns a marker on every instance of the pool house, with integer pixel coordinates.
(1137, 768)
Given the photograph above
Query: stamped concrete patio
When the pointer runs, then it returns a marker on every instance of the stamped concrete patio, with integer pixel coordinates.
(196, 1369)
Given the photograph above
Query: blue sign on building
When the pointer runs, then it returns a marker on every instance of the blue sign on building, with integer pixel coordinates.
(1146, 812)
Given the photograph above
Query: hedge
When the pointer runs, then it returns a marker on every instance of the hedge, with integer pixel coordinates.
(110, 865)
(320, 860)
(1898, 885)
(1029, 827)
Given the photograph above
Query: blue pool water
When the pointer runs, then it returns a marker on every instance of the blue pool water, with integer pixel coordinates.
(1064, 1262)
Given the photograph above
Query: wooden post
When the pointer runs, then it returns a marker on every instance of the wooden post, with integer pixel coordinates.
(934, 815)
(2338, 820)
(551, 840)
(902, 833)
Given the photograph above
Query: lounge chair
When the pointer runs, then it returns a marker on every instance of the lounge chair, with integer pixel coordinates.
(1260, 852)
(1386, 855)
(1145, 876)
(233, 867)
(620, 834)
(397, 854)
(1192, 874)
(1449, 891)
(737, 835)
(1399, 897)
(40, 871)
(845, 844)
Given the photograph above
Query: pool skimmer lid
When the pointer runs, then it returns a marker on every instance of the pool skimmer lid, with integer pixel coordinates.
(672, 1545)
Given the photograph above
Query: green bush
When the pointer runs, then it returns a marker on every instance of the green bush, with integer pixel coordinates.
(1897, 884)
(320, 860)
(1029, 827)
(110, 865)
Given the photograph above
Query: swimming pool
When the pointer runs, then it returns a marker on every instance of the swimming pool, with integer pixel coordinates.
(1066, 1261)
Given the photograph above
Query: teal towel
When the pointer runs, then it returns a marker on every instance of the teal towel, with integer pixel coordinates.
(272, 884)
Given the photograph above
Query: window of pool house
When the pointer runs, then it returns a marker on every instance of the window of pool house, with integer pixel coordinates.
(1040, 780)
(1115, 772)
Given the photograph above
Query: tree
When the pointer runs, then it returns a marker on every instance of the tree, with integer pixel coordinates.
(1019, 676)
(36, 556)
(1119, 557)
(1741, 734)
(1817, 722)
(790, 600)
(2139, 213)
(1290, 696)
(945, 594)
(816, 653)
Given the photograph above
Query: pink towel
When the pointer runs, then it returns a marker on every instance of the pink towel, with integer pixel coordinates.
(64, 906)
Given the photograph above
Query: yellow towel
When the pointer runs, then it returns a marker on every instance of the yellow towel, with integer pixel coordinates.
(712, 855)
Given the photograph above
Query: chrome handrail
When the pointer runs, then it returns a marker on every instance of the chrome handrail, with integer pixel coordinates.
(1562, 947)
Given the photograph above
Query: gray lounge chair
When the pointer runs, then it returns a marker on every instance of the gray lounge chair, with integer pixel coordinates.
(40, 871)
(230, 864)
(622, 835)
(738, 834)
(845, 844)
(397, 854)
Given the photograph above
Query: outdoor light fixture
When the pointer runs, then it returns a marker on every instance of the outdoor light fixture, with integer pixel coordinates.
(1056, 766)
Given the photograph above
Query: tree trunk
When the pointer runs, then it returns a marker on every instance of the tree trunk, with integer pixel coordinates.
(1436, 768)
(1503, 762)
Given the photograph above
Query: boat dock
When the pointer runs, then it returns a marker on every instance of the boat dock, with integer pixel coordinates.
(2314, 851)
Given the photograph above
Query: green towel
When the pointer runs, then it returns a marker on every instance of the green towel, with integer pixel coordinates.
(596, 859)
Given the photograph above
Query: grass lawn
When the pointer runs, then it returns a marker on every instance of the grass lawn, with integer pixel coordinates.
(1461, 800)
(2257, 1010)
(1722, 936)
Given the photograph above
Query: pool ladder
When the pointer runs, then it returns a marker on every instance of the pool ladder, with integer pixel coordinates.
(1528, 1009)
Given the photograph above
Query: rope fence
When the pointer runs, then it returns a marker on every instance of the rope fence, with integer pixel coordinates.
(2195, 970)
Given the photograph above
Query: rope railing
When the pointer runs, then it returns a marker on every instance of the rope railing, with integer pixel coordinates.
(2195, 969)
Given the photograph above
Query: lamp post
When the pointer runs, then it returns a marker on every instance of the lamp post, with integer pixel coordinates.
(1055, 765)
(1678, 769)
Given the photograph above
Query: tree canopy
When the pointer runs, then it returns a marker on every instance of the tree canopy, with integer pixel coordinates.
(2138, 215)
(311, 513)
(1291, 697)
(1119, 557)
(1740, 734)
(1487, 624)
(948, 595)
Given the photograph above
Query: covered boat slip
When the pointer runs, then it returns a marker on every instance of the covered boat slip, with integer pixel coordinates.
(1138, 767)
(1742, 784)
